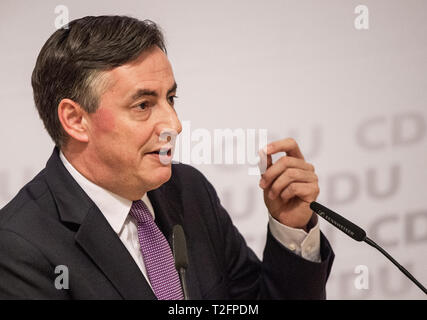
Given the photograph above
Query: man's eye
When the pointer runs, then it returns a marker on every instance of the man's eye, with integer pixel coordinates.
(143, 105)
(172, 99)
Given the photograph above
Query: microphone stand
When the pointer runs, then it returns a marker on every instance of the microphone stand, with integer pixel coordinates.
(180, 254)
(397, 264)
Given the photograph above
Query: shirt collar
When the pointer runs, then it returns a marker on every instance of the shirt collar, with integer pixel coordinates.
(115, 208)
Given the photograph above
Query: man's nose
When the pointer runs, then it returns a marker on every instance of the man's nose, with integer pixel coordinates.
(170, 121)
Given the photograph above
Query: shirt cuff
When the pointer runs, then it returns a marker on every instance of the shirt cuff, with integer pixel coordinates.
(306, 245)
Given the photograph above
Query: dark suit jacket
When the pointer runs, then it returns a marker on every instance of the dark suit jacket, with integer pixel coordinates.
(52, 222)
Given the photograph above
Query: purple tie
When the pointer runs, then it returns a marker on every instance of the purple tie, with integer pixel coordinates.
(157, 255)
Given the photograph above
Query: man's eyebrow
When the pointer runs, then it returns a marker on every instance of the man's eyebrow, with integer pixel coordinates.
(146, 92)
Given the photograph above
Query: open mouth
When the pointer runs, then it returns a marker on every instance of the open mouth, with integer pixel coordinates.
(162, 152)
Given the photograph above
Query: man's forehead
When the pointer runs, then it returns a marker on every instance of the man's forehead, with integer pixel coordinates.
(152, 71)
(148, 69)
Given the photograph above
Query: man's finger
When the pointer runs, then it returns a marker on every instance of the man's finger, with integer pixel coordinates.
(269, 161)
(289, 176)
(282, 165)
(288, 145)
(307, 192)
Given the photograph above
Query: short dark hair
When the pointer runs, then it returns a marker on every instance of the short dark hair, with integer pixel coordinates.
(72, 60)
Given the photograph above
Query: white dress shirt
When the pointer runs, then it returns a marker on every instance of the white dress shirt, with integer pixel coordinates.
(116, 210)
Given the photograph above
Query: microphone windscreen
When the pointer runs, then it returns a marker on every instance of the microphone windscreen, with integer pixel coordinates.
(338, 221)
(179, 247)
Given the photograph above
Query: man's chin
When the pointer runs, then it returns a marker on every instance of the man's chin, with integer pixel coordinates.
(159, 176)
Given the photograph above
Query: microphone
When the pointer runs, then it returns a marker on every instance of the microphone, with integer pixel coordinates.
(180, 256)
(358, 234)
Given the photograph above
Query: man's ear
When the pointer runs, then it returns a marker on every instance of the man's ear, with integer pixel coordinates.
(72, 118)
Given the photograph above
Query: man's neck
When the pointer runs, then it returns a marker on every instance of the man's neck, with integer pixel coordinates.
(93, 170)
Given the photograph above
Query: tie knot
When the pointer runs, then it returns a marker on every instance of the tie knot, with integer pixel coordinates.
(140, 212)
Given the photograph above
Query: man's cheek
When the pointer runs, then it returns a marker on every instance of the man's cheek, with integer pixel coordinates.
(104, 120)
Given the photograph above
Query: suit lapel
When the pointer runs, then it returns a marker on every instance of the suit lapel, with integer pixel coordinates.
(167, 211)
(167, 205)
(105, 248)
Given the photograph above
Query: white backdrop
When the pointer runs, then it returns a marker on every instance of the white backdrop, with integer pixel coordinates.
(355, 100)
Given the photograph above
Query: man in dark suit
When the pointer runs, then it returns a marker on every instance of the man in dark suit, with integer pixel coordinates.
(104, 207)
